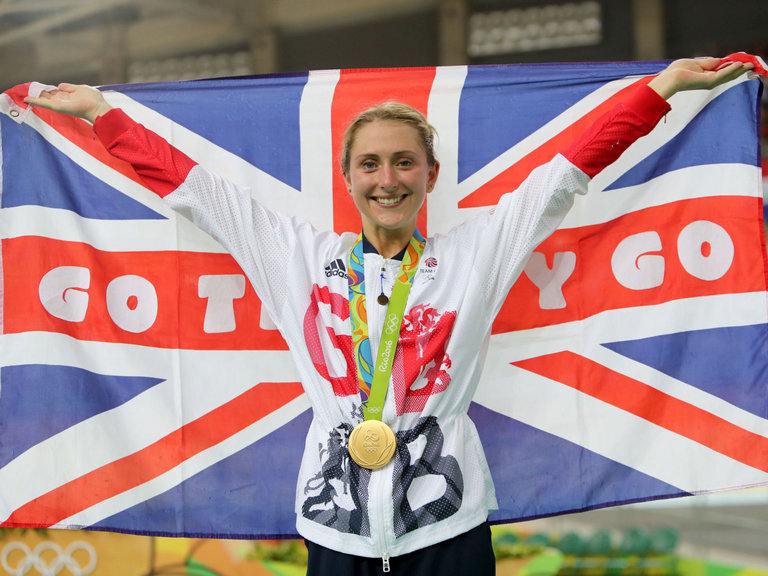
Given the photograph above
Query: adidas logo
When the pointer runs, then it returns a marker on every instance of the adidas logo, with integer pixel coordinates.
(336, 268)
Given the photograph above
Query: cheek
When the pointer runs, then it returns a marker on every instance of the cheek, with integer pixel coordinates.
(419, 182)
(358, 198)
(361, 185)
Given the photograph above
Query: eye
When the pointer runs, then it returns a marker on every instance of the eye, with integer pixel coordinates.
(405, 163)
(368, 164)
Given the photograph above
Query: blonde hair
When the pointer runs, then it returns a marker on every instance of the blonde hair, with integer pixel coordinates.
(397, 112)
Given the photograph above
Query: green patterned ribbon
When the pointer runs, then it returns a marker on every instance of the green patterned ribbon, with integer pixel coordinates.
(374, 381)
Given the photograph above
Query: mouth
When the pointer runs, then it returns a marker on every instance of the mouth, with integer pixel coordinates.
(389, 200)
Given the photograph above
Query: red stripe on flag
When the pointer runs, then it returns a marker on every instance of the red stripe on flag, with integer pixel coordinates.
(489, 193)
(594, 286)
(175, 277)
(356, 91)
(652, 405)
(156, 459)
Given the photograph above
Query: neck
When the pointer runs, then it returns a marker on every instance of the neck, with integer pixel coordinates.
(386, 244)
(390, 249)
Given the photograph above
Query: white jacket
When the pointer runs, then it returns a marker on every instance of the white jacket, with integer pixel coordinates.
(438, 484)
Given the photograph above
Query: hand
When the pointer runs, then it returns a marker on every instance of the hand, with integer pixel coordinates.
(696, 74)
(76, 100)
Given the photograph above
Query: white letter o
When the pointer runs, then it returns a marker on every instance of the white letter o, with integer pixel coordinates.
(137, 318)
(696, 262)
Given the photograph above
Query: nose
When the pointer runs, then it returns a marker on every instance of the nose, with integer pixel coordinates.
(388, 178)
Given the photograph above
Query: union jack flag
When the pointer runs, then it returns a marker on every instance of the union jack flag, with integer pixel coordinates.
(143, 390)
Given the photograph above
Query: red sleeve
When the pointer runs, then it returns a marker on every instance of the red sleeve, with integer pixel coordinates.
(161, 167)
(615, 131)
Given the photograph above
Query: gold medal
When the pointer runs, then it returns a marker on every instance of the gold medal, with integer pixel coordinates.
(372, 444)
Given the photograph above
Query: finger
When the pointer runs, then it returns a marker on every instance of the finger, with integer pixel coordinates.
(39, 99)
(46, 98)
(708, 63)
(734, 70)
(724, 71)
(44, 95)
(729, 72)
(67, 87)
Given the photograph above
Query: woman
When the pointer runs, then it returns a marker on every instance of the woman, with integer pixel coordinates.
(408, 319)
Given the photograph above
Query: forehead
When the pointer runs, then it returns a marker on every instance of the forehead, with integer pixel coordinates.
(386, 136)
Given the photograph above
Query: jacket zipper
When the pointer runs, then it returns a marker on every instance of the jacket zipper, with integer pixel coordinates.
(374, 320)
(384, 544)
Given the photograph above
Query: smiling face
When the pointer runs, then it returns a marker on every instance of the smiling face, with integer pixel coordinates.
(389, 177)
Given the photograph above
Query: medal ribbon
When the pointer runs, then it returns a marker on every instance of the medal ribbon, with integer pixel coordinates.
(373, 381)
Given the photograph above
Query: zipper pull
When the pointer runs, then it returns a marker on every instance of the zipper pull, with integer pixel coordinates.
(385, 563)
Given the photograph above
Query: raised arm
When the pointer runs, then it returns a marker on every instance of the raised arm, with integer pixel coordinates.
(610, 135)
(161, 166)
(262, 241)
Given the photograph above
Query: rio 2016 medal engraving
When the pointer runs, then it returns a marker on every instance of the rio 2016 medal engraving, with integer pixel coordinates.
(372, 444)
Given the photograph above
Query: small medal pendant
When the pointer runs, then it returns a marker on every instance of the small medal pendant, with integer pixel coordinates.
(382, 299)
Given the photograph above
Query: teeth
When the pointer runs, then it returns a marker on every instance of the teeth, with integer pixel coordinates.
(389, 201)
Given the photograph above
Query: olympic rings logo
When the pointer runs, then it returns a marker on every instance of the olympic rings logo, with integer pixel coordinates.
(392, 323)
(36, 559)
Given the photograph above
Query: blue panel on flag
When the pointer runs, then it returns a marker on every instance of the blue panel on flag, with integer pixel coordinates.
(57, 181)
(701, 359)
(256, 118)
(212, 500)
(731, 141)
(500, 106)
(40, 400)
(545, 474)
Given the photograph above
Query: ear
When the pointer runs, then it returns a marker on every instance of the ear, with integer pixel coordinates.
(432, 177)
(347, 181)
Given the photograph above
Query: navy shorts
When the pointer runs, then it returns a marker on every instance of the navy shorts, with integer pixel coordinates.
(468, 554)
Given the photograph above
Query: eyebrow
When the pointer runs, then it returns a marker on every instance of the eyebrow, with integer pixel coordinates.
(399, 153)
